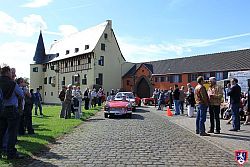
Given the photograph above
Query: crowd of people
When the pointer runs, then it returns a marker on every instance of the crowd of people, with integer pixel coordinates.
(71, 98)
(16, 104)
(234, 105)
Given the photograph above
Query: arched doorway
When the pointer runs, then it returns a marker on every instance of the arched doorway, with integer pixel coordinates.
(143, 88)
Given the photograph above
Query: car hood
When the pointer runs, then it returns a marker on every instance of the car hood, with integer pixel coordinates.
(118, 104)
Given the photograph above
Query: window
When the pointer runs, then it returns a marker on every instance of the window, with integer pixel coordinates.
(105, 35)
(76, 79)
(66, 65)
(72, 63)
(156, 79)
(206, 76)
(35, 69)
(51, 93)
(67, 52)
(45, 80)
(175, 79)
(162, 79)
(63, 81)
(103, 46)
(89, 60)
(225, 75)
(86, 47)
(101, 61)
(219, 76)
(45, 93)
(50, 80)
(44, 69)
(57, 55)
(194, 77)
(52, 67)
(84, 80)
(99, 80)
(79, 62)
(76, 50)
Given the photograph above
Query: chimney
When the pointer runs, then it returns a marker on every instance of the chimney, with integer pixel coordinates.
(109, 23)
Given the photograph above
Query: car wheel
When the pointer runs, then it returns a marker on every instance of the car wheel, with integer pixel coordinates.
(150, 103)
(106, 115)
(129, 115)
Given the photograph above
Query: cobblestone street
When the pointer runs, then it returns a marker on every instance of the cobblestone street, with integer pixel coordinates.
(148, 139)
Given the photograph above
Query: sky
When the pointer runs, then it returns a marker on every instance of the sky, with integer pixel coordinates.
(146, 30)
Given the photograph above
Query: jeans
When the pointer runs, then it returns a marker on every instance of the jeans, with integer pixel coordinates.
(177, 107)
(9, 120)
(38, 105)
(235, 116)
(182, 106)
(214, 112)
(201, 118)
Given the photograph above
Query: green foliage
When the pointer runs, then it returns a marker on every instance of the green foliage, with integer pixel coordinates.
(47, 129)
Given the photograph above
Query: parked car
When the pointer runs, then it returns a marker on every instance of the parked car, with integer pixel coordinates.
(118, 107)
(151, 101)
(135, 101)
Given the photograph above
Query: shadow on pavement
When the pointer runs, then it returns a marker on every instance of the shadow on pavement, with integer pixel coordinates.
(95, 119)
(233, 136)
(134, 116)
(137, 116)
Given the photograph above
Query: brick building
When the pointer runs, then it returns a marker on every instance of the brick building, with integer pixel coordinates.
(142, 78)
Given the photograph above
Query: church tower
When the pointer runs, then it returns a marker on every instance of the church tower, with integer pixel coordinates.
(40, 54)
(36, 68)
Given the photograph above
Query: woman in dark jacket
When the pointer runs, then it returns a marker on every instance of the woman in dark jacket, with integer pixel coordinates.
(28, 112)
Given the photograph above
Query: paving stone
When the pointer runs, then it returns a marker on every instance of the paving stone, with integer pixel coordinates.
(148, 139)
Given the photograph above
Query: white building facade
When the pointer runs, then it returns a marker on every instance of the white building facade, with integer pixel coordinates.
(90, 59)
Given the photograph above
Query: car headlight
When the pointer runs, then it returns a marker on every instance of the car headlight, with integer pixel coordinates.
(129, 107)
(106, 107)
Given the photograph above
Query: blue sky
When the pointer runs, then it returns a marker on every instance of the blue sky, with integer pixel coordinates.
(145, 30)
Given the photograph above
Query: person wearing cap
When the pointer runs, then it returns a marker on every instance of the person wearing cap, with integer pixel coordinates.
(215, 95)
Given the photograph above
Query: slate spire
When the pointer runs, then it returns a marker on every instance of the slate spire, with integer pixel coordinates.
(40, 54)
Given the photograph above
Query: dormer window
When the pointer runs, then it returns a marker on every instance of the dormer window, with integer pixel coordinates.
(67, 52)
(57, 54)
(76, 50)
(86, 47)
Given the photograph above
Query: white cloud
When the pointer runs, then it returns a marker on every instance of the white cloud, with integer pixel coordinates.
(209, 42)
(26, 28)
(134, 51)
(67, 30)
(18, 55)
(36, 3)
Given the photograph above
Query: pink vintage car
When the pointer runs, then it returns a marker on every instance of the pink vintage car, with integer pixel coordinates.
(118, 107)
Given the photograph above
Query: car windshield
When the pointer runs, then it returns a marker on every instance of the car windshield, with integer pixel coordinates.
(128, 95)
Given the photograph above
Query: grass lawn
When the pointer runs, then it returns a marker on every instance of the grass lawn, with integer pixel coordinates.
(47, 129)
